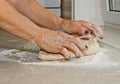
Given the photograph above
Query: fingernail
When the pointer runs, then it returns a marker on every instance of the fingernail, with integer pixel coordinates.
(86, 32)
(86, 46)
(78, 55)
(68, 58)
(101, 37)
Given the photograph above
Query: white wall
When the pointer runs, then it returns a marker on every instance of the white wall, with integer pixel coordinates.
(98, 18)
(90, 10)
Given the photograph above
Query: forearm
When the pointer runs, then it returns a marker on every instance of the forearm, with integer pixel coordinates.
(37, 13)
(14, 23)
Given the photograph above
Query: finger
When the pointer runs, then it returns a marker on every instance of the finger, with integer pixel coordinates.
(89, 28)
(95, 29)
(84, 31)
(82, 46)
(98, 31)
(72, 47)
(59, 49)
(65, 53)
(93, 35)
(83, 43)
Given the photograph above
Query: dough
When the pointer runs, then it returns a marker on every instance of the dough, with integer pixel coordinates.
(93, 48)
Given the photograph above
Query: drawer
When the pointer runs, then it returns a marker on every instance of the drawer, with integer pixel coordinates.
(50, 3)
(56, 11)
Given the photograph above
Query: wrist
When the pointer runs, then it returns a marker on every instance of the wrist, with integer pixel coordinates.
(39, 34)
(34, 33)
(65, 25)
(58, 24)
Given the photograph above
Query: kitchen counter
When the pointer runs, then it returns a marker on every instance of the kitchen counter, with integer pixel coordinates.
(111, 37)
(22, 67)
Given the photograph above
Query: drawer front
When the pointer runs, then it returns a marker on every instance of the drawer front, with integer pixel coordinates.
(56, 11)
(50, 3)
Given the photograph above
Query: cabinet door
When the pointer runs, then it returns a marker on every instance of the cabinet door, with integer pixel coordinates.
(50, 3)
(56, 11)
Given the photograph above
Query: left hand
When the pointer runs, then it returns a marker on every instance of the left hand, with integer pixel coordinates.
(81, 28)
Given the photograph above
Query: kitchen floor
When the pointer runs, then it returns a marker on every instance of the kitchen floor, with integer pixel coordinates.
(22, 67)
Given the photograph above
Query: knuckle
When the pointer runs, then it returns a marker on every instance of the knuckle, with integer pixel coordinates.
(63, 50)
(71, 44)
(78, 39)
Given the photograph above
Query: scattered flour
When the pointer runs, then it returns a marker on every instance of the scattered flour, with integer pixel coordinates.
(99, 60)
(105, 58)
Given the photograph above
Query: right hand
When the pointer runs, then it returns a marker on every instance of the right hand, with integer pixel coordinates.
(59, 42)
(81, 28)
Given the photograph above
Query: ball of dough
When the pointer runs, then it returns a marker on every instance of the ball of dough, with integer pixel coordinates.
(93, 48)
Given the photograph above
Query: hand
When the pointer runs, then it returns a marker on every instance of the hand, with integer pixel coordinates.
(81, 28)
(59, 42)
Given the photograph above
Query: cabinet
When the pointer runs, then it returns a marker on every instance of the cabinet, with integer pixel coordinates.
(52, 5)
(66, 9)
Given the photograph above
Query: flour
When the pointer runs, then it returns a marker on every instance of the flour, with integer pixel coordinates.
(104, 59)
(15, 55)
(99, 60)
